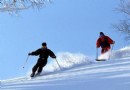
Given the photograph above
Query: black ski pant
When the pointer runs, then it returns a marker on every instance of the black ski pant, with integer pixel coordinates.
(39, 65)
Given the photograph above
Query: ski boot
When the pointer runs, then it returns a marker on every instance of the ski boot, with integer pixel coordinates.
(32, 75)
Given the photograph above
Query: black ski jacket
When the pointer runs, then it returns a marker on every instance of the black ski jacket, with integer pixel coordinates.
(43, 53)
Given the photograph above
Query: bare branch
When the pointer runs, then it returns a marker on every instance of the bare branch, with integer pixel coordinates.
(124, 25)
(18, 5)
(124, 6)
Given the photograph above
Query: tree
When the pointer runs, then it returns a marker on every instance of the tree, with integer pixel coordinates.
(18, 5)
(124, 25)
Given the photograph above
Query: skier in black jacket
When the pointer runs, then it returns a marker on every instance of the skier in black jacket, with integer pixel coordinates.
(43, 53)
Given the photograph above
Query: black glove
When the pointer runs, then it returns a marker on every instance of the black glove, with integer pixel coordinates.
(54, 57)
(29, 54)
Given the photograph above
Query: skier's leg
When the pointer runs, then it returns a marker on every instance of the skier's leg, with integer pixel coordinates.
(41, 65)
(34, 69)
(102, 51)
(106, 49)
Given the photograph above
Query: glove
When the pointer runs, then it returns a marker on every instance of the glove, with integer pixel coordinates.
(97, 47)
(29, 54)
(113, 42)
(54, 56)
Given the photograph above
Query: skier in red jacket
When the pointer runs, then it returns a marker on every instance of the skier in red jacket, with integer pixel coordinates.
(104, 42)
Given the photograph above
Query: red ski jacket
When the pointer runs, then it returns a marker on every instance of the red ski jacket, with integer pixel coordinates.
(104, 42)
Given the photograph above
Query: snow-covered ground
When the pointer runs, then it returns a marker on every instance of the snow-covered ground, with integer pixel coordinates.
(79, 72)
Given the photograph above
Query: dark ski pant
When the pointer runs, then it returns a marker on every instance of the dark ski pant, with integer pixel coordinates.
(39, 65)
(104, 50)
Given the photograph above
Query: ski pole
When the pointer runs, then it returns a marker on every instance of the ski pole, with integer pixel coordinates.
(97, 54)
(26, 61)
(111, 51)
(58, 64)
(112, 47)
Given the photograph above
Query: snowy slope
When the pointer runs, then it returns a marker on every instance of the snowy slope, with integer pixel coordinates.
(89, 75)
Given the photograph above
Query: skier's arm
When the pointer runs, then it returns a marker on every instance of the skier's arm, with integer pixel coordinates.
(110, 41)
(51, 54)
(37, 52)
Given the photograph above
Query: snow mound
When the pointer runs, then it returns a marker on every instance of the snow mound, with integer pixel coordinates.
(116, 54)
(122, 53)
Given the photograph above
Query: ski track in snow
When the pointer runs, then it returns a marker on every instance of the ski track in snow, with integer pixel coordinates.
(98, 70)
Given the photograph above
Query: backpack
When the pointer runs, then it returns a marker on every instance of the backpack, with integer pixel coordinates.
(104, 42)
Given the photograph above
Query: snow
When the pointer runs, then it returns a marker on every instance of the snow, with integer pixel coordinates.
(79, 72)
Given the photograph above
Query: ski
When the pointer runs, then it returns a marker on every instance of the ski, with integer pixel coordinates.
(35, 76)
(101, 59)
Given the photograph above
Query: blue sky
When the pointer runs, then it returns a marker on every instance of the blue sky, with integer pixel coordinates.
(66, 25)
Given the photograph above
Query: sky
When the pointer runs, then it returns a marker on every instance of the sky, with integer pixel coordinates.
(66, 25)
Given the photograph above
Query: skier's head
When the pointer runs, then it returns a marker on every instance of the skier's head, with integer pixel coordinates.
(44, 44)
(102, 34)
